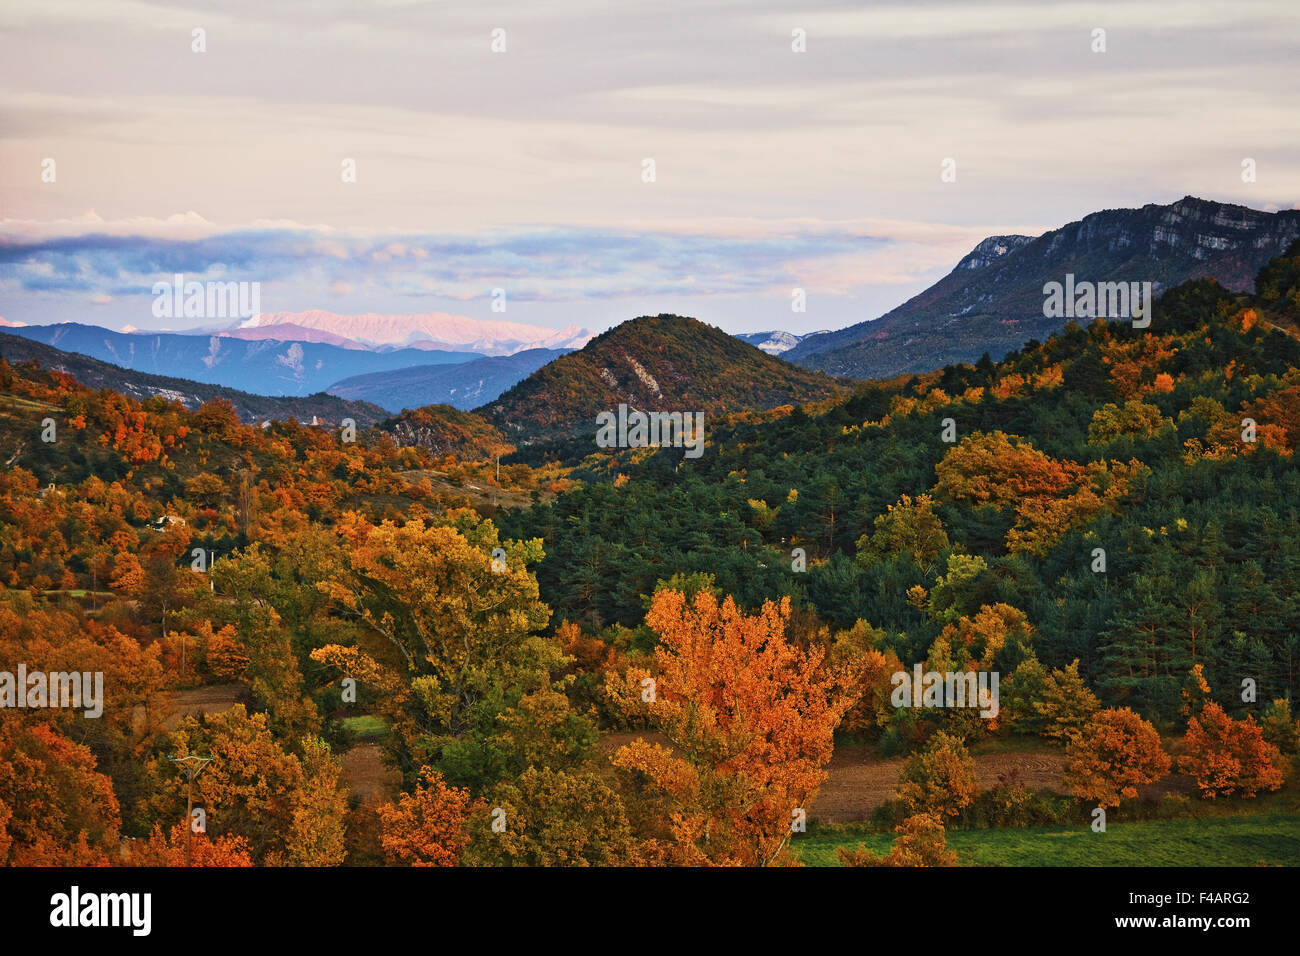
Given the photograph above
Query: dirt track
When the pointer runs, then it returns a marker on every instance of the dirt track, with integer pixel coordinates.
(368, 776)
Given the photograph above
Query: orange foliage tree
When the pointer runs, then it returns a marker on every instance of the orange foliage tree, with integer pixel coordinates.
(1049, 496)
(61, 810)
(749, 718)
(1115, 751)
(428, 828)
(1227, 756)
(168, 849)
(251, 788)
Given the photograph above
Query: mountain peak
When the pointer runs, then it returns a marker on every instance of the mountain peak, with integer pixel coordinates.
(662, 362)
(992, 301)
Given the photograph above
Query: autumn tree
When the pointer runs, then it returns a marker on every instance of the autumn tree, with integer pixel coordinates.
(1115, 752)
(320, 810)
(273, 672)
(1226, 756)
(167, 848)
(429, 827)
(749, 721)
(250, 789)
(542, 730)
(1066, 703)
(1196, 692)
(127, 575)
(1134, 419)
(61, 810)
(995, 634)
(1049, 496)
(940, 780)
(557, 818)
(909, 526)
(456, 611)
(855, 650)
(1279, 727)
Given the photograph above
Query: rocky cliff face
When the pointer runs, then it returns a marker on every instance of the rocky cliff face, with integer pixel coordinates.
(991, 250)
(992, 301)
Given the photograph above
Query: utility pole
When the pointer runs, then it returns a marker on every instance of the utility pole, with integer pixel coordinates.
(193, 765)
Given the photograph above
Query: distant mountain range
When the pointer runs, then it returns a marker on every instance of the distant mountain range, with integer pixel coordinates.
(652, 363)
(435, 330)
(266, 367)
(464, 386)
(993, 300)
(308, 360)
(141, 385)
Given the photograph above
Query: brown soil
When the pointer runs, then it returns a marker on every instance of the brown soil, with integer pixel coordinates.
(368, 776)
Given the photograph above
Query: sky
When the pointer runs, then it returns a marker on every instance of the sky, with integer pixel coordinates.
(524, 168)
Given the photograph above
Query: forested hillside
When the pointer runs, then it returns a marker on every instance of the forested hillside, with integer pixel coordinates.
(142, 385)
(1102, 438)
(408, 656)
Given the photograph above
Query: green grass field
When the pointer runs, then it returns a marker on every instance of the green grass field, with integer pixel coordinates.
(370, 729)
(1246, 840)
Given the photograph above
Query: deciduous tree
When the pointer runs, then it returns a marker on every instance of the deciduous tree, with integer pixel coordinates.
(1228, 756)
(1115, 752)
(750, 721)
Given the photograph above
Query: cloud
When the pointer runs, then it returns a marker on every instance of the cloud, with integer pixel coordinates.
(568, 262)
(303, 268)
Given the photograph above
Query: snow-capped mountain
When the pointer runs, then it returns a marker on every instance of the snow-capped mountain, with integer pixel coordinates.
(434, 330)
(774, 343)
